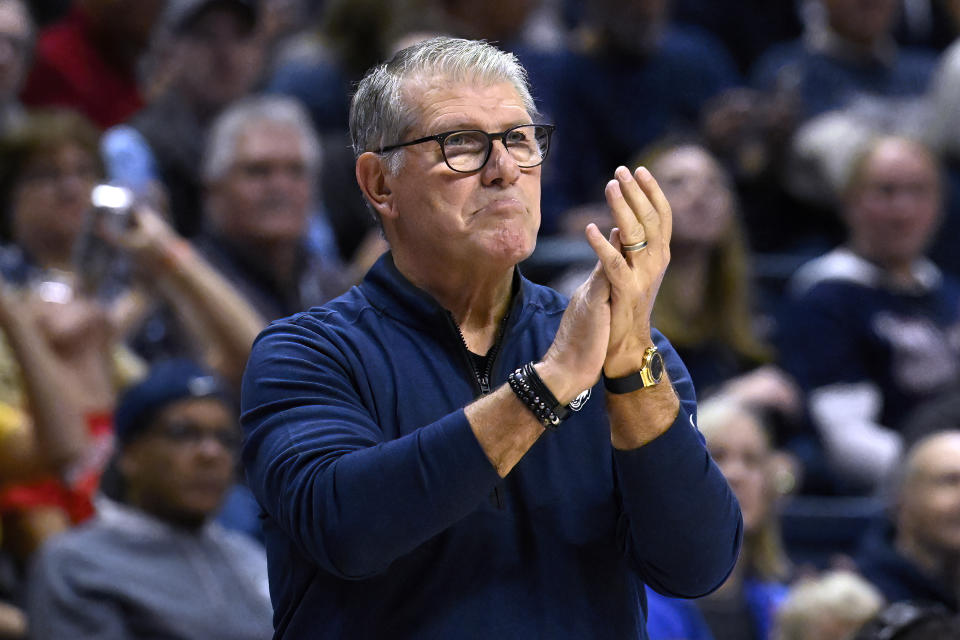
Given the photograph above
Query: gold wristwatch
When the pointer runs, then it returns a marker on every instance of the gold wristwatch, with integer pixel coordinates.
(650, 374)
(652, 370)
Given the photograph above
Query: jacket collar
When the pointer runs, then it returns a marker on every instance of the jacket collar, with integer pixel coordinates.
(392, 294)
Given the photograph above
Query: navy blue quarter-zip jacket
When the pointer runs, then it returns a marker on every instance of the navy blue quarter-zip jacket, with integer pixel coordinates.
(384, 518)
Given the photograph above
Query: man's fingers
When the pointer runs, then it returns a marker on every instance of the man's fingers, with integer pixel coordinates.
(615, 266)
(641, 207)
(623, 215)
(656, 197)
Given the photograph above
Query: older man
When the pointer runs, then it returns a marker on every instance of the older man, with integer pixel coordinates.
(215, 58)
(405, 440)
(874, 328)
(259, 169)
(917, 558)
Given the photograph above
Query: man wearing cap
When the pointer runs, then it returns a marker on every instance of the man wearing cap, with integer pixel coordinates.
(209, 54)
(155, 565)
(434, 451)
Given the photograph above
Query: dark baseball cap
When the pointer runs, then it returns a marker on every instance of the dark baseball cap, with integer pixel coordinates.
(166, 383)
(180, 14)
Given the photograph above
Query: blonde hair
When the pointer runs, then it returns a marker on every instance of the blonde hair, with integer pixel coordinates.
(727, 290)
(762, 553)
(839, 595)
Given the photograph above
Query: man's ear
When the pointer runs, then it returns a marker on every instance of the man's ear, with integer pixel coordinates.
(374, 183)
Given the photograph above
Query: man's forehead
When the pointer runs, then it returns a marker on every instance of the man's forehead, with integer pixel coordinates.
(267, 136)
(440, 99)
(937, 454)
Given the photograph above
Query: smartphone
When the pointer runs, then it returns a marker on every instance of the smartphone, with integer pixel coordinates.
(100, 264)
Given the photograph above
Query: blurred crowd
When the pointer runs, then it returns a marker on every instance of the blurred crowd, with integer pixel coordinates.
(174, 174)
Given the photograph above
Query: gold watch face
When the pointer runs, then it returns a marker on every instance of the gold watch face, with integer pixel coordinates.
(656, 366)
(652, 370)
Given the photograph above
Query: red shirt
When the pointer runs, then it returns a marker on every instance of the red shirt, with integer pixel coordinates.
(73, 493)
(70, 71)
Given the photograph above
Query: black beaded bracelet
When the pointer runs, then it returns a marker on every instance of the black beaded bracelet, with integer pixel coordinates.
(534, 394)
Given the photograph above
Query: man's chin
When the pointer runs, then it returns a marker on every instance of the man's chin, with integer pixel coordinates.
(511, 249)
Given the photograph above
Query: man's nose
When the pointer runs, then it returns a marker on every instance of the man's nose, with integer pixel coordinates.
(501, 167)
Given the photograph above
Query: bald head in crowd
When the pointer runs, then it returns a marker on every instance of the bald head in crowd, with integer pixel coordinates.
(928, 506)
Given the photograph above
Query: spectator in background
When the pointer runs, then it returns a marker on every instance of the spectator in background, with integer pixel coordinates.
(632, 79)
(831, 606)
(155, 565)
(846, 74)
(45, 433)
(47, 172)
(16, 46)
(849, 54)
(705, 301)
(48, 168)
(914, 557)
(320, 68)
(88, 60)
(51, 165)
(745, 605)
(873, 328)
(211, 55)
(260, 162)
(46, 436)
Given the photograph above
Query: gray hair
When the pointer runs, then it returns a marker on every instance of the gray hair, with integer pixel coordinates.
(249, 112)
(379, 114)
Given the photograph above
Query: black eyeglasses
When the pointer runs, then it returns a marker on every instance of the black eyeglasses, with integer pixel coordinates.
(467, 150)
(192, 435)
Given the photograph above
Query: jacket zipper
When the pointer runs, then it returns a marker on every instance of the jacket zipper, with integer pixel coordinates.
(482, 378)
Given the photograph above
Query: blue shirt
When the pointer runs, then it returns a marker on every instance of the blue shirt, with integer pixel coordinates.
(847, 324)
(384, 517)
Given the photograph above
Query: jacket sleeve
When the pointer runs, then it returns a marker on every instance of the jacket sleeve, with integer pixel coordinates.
(348, 497)
(680, 521)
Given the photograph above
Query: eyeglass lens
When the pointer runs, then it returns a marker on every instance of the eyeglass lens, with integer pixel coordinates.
(193, 435)
(469, 150)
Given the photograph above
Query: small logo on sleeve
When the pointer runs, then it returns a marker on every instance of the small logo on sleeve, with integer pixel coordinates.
(577, 403)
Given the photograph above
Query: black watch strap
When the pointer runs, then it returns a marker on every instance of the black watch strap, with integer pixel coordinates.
(650, 374)
(626, 384)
